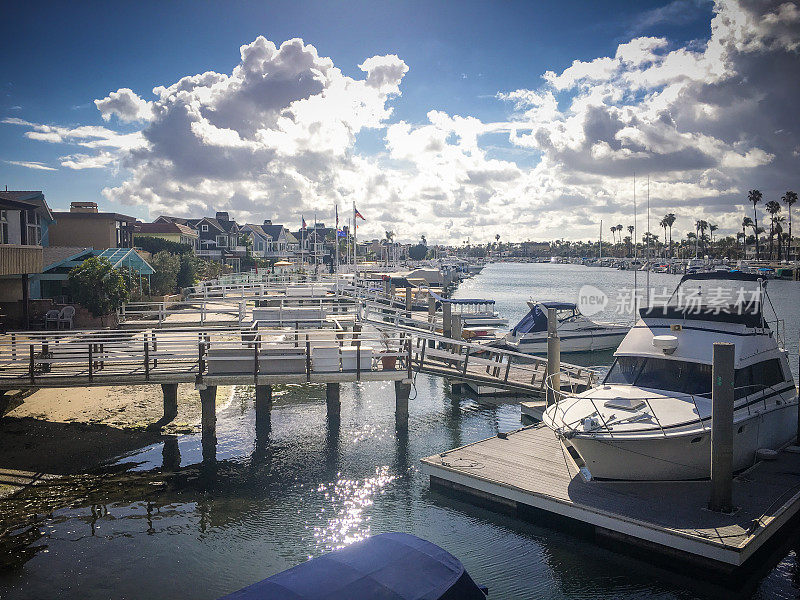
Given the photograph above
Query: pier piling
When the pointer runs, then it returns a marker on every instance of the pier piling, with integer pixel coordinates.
(722, 397)
(333, 400)
(170, 391)
(409, 305)
(263, 407)
(208, 422)
(553, 357)
(402, 391)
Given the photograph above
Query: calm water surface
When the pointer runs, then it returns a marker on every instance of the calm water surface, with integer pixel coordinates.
(308, 487)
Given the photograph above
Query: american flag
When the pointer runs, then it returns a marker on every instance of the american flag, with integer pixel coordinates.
(359, 215)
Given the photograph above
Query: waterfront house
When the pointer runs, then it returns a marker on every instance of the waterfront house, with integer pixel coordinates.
(85, 226)
(25, 221)
(169, 231)
(271, 241)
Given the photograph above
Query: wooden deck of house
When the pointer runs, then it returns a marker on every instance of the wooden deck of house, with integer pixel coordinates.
(529, 472)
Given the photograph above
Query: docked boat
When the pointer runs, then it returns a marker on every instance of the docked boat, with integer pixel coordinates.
(577, 332)
(650, 419)
(390, 566)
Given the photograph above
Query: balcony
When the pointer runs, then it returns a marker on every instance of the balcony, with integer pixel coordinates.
(16, 259)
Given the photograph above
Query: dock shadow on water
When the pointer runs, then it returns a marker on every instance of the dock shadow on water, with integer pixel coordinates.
(157, 522)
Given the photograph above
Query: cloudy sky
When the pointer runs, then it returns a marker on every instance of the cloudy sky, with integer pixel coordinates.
(452, 120)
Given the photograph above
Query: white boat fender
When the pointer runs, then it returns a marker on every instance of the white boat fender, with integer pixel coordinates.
(766, 454)
(590, 423)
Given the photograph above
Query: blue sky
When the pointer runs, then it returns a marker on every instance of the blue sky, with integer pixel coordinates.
(459, 57)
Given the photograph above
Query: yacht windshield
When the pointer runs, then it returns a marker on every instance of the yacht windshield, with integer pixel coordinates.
(661, 374)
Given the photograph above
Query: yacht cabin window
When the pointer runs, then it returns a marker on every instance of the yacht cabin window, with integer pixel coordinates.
(690, 378)
(661, 374)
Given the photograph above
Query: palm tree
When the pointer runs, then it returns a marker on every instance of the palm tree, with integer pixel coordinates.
(670, 218)
(789, 198)
(619, 232)
(754, 197)
(712, 228)
(773, 208)
(613, 236)
(746, 222)
(779, 221)
(631, 229)
(663, 224)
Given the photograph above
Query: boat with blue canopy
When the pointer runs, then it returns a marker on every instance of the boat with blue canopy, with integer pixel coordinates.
(389, 566)
(577, 332)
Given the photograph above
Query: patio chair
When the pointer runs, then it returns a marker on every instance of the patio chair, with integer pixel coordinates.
(51, 316)
(65, 317)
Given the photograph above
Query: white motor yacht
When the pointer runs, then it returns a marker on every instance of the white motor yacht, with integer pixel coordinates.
(577, 332)
(650, 419)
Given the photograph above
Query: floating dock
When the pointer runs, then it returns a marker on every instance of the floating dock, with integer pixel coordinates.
(529, 473)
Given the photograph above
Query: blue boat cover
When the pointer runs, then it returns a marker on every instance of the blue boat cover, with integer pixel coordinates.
(439, 298)
(390, 566)
(536, 319)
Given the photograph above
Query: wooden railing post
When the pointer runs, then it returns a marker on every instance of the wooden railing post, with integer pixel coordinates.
(91, 363)
(31, 364)
(308, 359)
(146, 359)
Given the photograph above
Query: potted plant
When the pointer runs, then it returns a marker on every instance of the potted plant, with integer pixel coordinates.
(388, 362)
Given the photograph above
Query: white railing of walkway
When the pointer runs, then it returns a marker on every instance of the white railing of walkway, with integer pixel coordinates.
(287, 311)
(35, 358)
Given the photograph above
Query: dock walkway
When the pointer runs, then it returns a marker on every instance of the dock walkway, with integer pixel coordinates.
(529, 469)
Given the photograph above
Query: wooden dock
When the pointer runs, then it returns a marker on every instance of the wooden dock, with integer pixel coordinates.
(529, 473)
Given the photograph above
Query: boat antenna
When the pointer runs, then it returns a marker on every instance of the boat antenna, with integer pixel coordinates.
(649, 266)
(635, 278)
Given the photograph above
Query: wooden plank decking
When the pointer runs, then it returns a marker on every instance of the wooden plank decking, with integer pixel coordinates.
(531, 469)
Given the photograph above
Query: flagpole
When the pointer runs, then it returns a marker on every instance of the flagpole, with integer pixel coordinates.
(355, 246)
(302, 242)
(336, 236)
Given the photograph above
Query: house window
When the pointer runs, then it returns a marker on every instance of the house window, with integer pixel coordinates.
(222, 241)
(204, 227)
(34, 229)
(4, 227)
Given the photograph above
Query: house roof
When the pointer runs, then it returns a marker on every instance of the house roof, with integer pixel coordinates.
(54, 256)
(258, 230)
(213, 222)
(93, 215)
(127, 257)
(162, 227)
(26, 200)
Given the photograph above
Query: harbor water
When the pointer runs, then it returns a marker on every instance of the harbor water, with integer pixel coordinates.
(309, 486)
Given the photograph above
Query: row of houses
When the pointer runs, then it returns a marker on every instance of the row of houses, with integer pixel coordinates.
(38, 246)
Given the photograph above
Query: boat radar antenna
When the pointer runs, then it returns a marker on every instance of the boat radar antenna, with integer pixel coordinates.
(649, 257)
(635, 278)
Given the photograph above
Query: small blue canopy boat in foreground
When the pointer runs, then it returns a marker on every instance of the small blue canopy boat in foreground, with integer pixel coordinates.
(390, 566)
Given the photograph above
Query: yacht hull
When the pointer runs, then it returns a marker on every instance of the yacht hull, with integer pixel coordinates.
(587, 341)
(686, 455)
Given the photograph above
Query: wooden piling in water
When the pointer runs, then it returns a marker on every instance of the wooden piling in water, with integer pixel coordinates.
(170, 392)
(722, 398)
(402, 391)
(553, 357)
(333, 400)
(263, 406)
(208, 422)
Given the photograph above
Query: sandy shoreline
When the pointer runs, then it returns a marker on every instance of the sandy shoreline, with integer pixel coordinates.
(73, 430)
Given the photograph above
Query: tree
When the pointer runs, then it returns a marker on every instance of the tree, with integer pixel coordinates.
(663, 225)
(97, 286)
(670, 219)
(418, 252)
(165, 279)
(631, 229)
(155, 245)
(773, 208)
(187, 272)
(746, 223)
(789, 198)
(754, 197)
(711, 229)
